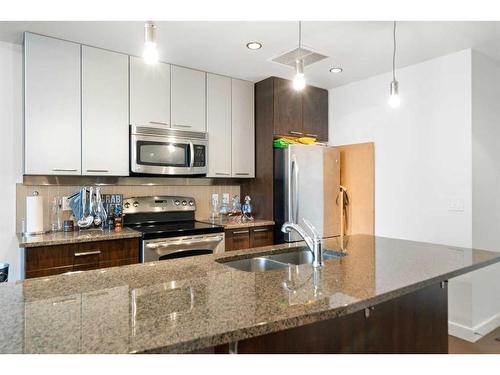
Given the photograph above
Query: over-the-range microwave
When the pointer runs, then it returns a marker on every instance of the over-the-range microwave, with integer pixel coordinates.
(159, 150)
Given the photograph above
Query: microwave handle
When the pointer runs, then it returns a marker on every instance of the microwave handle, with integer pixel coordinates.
(191, 154)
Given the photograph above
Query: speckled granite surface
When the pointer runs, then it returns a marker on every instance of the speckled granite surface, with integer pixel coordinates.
(77, 236)
(192, 303)
(228, 224)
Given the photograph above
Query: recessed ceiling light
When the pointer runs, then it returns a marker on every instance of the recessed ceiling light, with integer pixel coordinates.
(254, 45)
(336, 70)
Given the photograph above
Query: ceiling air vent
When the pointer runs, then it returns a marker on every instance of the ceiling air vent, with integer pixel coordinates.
(308, 56)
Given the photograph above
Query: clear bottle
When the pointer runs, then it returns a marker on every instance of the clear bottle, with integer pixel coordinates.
(214, 213)
(224, 209)
(55, 218)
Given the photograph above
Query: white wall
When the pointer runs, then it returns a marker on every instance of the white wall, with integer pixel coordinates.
(11, 145)
(439, 149)
(422, 149)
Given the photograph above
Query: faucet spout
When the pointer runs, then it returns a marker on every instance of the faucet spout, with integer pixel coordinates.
(313, 241)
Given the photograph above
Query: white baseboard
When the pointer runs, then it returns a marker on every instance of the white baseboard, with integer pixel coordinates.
(473, 334)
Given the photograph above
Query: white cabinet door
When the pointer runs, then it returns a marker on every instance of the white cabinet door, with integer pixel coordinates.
(52, 136)
(149, 93)
(188, 99)
(243, 129)
(105, 134)
(219, 125)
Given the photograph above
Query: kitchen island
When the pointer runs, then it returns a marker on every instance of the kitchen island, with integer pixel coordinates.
(385, 295)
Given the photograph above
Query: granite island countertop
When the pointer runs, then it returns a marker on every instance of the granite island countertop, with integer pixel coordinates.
(228, 223)
(191, 303)
(76, 236)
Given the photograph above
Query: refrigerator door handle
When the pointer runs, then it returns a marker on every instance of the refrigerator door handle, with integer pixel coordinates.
(295, 196)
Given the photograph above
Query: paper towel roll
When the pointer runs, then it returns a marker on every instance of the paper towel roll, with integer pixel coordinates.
(34, 214)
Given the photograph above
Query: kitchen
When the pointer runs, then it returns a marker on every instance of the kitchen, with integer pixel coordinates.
(164, 206)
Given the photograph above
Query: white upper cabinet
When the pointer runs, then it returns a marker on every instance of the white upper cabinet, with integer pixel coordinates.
(243, 129)
(149, 93)
(219, 125)
(105, 134)
(52, 137)
(188, 99)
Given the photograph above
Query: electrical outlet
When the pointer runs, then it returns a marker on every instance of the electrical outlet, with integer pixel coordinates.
(456, 205)
(65, 204)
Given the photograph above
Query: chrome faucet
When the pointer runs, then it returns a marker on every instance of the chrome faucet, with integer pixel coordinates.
(313, 241)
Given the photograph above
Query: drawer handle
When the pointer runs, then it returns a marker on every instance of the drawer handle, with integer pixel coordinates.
(240, 232)
(64, 170)
(93, 252)
(222, 174)
(158, 123)
(312, 135)
(98, 170)
(63, 301)
(296, 132)
(242, 174)
(261, 230)
(181, 126)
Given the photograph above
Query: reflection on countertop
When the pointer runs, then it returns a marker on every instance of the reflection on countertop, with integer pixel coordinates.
(191, 303)
(77, 236)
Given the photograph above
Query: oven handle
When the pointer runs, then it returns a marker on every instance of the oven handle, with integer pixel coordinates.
(183, 242)
(191, 154)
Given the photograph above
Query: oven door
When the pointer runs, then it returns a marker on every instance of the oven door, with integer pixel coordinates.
(180, 247)
(167, 155)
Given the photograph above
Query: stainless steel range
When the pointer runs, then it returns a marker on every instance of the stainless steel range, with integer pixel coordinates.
(169, 229)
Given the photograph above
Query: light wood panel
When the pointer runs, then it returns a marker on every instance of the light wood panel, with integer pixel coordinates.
(357, 175)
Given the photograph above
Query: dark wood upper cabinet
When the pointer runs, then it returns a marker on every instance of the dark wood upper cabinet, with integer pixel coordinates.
(315, 113)
(287, 108)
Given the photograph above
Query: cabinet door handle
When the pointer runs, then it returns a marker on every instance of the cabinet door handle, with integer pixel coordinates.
(240, 232)
(64, 170)
(242, 174)
(312, 135)
(261, 230)
(294, 132)
(92, 252)
(158, 123)
(222, 174)
(98, 170)
(181, 126)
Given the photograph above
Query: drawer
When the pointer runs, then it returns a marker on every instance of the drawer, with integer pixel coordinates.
(237, 239)
(262, 236)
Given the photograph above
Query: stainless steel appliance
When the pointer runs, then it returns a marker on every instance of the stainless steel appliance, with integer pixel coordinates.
(307, 186)
(159, 150)
(169, 229)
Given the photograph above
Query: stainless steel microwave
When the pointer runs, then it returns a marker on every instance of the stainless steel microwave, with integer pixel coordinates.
(159, 150)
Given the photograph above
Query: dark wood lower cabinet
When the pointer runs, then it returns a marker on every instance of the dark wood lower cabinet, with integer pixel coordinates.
(53, 260)
(414, 323)
(246, 238)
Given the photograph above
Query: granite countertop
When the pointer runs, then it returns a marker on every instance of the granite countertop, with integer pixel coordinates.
(229, 224)
(192, 303)
(77, 236)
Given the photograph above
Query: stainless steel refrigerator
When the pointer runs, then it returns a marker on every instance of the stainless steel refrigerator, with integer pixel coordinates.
(307, 186)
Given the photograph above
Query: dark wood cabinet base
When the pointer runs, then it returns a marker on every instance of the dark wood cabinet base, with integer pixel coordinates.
(414, 323)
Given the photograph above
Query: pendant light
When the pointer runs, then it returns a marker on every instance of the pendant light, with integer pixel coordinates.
(394, 99)
(299, 81)
(150, 53)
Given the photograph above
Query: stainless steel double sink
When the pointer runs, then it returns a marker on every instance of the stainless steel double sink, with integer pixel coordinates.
(282, 260)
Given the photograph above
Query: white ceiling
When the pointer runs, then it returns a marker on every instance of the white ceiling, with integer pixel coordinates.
(362, 49)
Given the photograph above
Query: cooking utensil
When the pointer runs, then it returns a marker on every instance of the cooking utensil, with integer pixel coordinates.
(100, 215)
(86, 220)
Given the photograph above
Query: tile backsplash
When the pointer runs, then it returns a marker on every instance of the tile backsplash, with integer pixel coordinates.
(201, 194)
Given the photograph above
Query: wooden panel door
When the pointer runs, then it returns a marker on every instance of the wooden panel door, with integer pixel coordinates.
(287, 109)
(105, 134)
(149, 93)
(261, 236)
(315, 113)
(237, 239)
(52, 134)
(188, 99)
(243, 129)
(219, 125)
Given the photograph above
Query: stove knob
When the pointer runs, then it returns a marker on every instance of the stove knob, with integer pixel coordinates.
(135, 204)
(177, 202)
(191, 203)
(127, 205)
(184, 203)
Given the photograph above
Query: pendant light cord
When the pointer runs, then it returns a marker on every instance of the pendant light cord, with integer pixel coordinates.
(394, 52)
